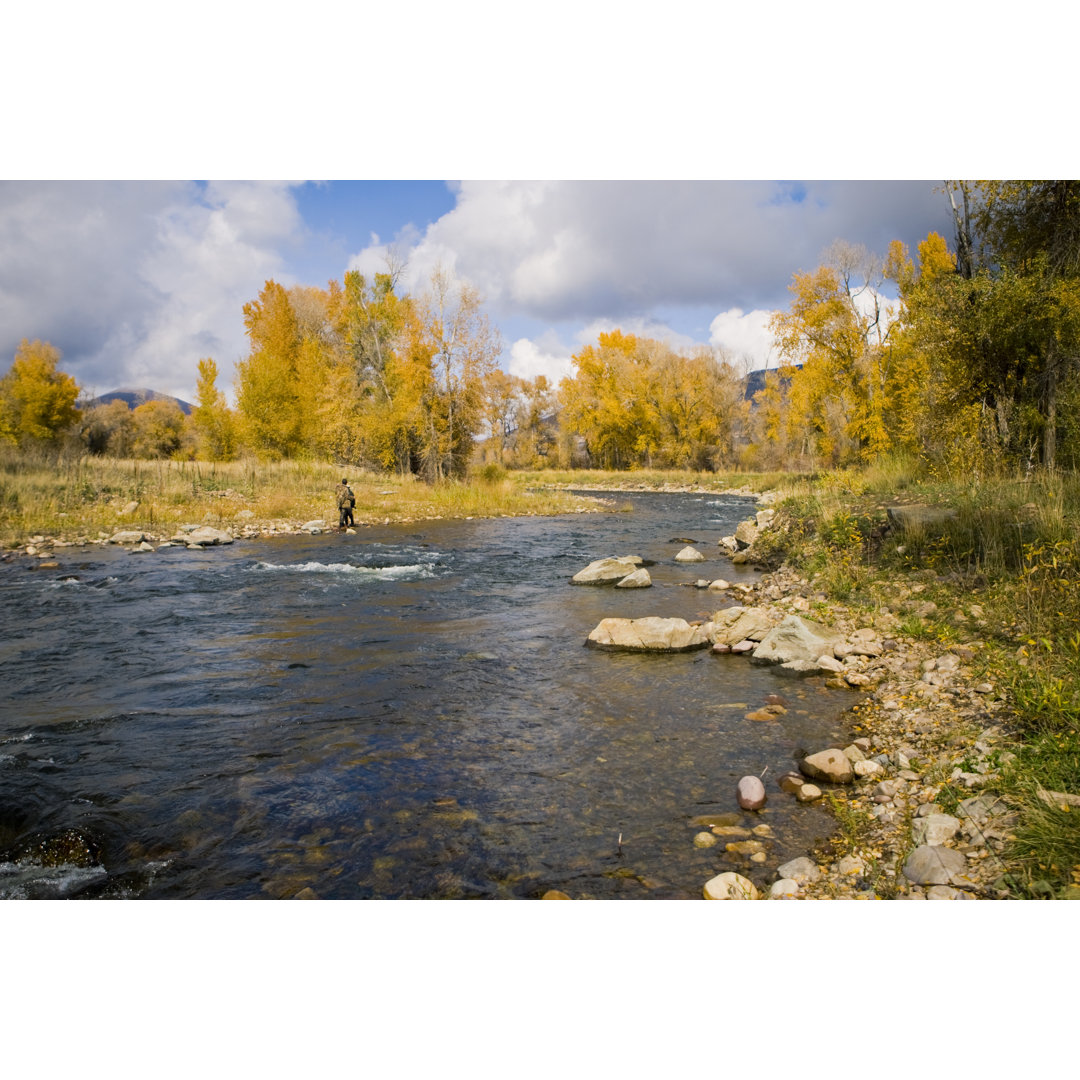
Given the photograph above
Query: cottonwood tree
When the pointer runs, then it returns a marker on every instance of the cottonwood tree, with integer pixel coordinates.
(37, 401)
(457, 343)
(213, 421)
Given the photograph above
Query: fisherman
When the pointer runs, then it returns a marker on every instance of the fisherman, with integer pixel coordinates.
(346, 500)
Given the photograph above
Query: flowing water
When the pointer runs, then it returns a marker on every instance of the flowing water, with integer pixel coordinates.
(406, 712)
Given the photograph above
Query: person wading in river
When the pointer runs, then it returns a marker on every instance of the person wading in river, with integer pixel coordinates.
(346, 500)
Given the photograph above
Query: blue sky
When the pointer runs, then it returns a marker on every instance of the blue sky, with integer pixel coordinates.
(135, 281)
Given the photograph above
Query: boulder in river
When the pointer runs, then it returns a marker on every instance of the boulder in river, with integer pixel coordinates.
(650, 634)
(639, 579)
(127, 536)
(607, 571)
(689, 555)
(205, 536)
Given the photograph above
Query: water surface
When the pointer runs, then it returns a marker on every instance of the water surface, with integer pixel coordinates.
(406, 712)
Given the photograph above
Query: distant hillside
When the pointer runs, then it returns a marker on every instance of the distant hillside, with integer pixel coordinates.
(134, 398)
(755, 381)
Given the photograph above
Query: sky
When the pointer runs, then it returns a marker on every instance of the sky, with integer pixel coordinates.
(135, 281)
(114, 251)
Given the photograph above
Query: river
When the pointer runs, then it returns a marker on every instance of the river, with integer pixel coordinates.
(407, 712)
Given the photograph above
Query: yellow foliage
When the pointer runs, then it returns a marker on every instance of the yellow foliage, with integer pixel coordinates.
(37, 402)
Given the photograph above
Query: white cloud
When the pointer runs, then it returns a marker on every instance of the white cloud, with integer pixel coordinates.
(744, 334)
(136, 282)
(542, 357)
(563, 250)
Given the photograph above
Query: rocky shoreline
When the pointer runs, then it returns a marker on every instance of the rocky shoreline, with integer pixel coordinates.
(912, 789)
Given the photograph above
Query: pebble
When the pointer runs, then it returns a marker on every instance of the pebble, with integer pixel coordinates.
(751, 791)
(801, 870)
(808, 793)
(783, 889)
(704, 840)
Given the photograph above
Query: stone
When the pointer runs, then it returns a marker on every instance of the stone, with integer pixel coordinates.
(850, 866)
(129, 509)
(729, 543)
(853, 754)
(930, 865)
(934, 829)
(803, 870)
(738, 624)
(828, 765)
(746, 533)
(307, 894)
(732, 830)
(704, 840)
(744, 847)
(764, 518)
(689, 555)
(639, 579)
(829, 663)
(650, 634)
(790, 782)
(808, 793)
(795, 638)
(206, 536)
(719, 585)
(783, 889)
(751, 793)
(865, 769)
(314, 527)
(555, 894)
(127, 536)
(607, 571)
(730, 886)
(763, 830)
(919, 518)
(946, 892)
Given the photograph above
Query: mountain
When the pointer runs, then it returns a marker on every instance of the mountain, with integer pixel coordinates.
(134, 398)
(755, 381)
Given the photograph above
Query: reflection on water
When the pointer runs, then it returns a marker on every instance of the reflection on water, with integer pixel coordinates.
(405, 712)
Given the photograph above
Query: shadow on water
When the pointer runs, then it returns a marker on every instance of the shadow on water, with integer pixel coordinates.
(407, 712)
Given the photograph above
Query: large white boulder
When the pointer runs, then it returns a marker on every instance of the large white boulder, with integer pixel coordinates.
(607, 571)
(795, 638)
(205, 536)
(650, 634)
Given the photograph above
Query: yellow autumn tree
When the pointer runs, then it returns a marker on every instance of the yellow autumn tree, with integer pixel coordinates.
(213, 421)
(267, 380)
(836, 331)
(37, 401)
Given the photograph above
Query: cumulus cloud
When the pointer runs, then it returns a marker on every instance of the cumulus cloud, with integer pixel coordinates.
(561, 250)
(744, 334)
(135, 282)
(545, 356)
